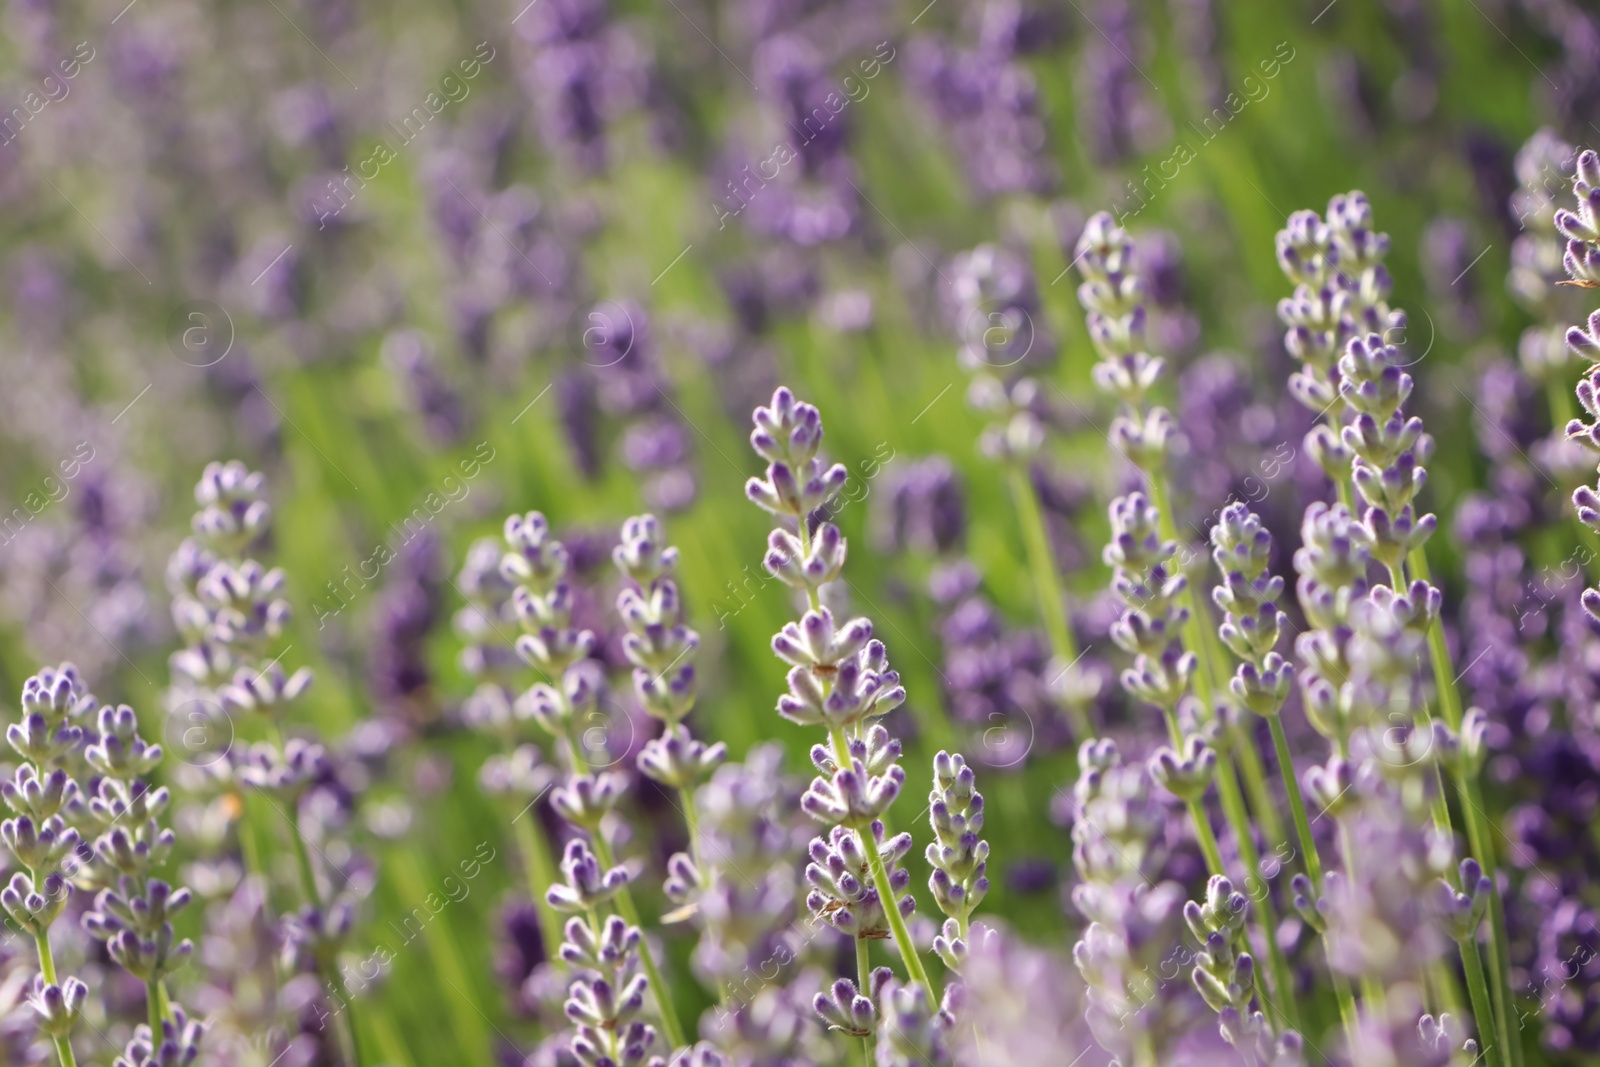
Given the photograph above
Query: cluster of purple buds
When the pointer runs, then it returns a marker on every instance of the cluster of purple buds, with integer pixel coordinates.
(958, 856)
(1112, 296)
(1248, 597)
(1332, 565)
(176, 1043)
(228, 608)
(46, 801)
(1341, 292)
(1582, 261)
(839, 678)
(1544, 172)
(110, 840)
(1145, 575)
(1116, 821)
(1224, 971)
(607, 994)
(537, 567)
(1387, 449)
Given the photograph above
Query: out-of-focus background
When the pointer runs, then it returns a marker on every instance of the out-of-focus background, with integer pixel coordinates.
(425, 264)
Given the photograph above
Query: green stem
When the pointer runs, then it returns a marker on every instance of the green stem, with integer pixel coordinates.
(813, 599)
(1206, 660)
(152, 1004)
(647, 959)
(863, 984)
(1052, 601)
(1233, 808)
(1477, 823)
(1207, 838)
(1254, 773)
(47, 967)
(886, 893)
(691, 821)
(1482, 1013)
(1297, 804)
(350, 1038)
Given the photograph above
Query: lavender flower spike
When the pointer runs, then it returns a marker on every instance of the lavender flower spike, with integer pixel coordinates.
(839, 678)
(1582, 261)
(959, 858)
(57, 714)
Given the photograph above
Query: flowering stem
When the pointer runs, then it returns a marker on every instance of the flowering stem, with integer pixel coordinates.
(47, 967)
(863, 983)
(1197, 809)
(152, 1004)
(691, 821)
(647, 959)
(1052, 602)
(1207, 839)
(625, 905)
(1208, 675)
(1482, 1013)
(1297, 804)
(1282, 978)
(1477, 821)
(350, 1042)
(880, 880)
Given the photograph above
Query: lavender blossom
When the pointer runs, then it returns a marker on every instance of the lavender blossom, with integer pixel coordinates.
(839, 678)
(230, 610)
(543, 597)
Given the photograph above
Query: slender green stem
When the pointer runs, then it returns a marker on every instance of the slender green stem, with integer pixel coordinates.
(1477, 822)
(1297, 804)
(47, 967)
(691, 822)
(813, 599)
(863, 984)
(1052, 601)
(1207, 838)
(1239, 820)
(1254, 773)
(350, 1036)
(647, 959)
(886, 893)
(152, 1005)
(1482, 1013)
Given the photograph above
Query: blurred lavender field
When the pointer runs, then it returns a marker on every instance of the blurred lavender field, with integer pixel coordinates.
(1164, 431)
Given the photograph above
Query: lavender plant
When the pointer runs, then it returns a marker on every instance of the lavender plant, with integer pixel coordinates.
(538, 567)
(1364, 642)
(230, 610)
(1151, 581)
(839, 678)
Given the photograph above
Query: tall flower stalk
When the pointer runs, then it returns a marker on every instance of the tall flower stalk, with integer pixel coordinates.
(542, 597)
(996, 303)
(1144, 549)
(661, 649)
(518, 771)
(57, 712)
(839, 679)
(1368, 442)
(231, 611)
